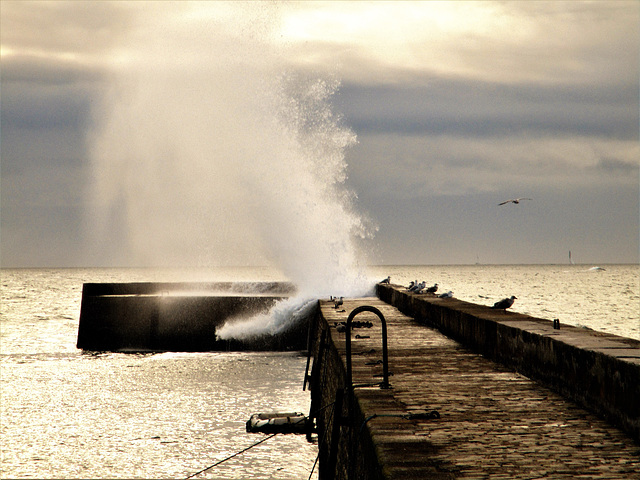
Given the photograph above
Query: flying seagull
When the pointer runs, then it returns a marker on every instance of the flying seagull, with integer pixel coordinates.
(514, 200)
(504, 303)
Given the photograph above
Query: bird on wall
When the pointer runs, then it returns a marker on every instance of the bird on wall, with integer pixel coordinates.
(386, 280)
(433, 289)
(514, 200)
(504, 303)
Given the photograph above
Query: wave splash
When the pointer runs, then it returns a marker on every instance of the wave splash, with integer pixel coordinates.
(213, 148)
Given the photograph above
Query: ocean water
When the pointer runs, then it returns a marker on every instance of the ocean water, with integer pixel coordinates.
(69, 414)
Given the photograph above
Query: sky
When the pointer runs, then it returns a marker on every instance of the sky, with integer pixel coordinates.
(441, 110)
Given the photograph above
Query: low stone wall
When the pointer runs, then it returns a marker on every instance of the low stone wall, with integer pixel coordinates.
(344, 453)
(599, 371)
(134, 317)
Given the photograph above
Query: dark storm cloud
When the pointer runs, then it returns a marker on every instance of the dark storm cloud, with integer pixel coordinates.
(465, 108)
(49, 82)
(615, 165)
(34, 107)
(46, 113)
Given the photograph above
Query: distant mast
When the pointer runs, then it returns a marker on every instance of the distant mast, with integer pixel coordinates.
(570, 261)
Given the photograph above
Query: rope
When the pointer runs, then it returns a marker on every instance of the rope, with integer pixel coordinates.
(324, 408)
(256, 444)
(321, 440)
(230, 457)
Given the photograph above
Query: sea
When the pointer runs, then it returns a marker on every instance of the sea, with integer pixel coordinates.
(65, 413)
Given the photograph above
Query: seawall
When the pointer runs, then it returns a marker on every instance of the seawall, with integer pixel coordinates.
(147, 316)
(597, 370)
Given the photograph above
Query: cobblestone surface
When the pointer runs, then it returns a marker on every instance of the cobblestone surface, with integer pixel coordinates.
(494, 423)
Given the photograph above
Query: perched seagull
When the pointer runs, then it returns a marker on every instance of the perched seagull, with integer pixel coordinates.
(337, 302)
(421, 286)
(433, 289)
(514, 200)
(411, 284)
(504, 303)
(449, 294)
(386, 280)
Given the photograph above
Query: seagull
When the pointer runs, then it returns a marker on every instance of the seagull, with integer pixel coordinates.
(449, 294)
(411, 284)
(504, 303)
(386, 280)
(433, 289)
(420, 287)
(514, 200)
(338, 302)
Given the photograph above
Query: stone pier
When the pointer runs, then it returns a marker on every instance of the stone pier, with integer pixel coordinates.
(450, 412)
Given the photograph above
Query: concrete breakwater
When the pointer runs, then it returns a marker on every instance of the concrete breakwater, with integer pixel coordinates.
(445, 411)
(177, 316)
(599, 371)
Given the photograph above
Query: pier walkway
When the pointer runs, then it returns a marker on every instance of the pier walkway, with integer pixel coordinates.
(493, 422)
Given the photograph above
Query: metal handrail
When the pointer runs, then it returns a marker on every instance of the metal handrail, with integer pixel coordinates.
(385, 354)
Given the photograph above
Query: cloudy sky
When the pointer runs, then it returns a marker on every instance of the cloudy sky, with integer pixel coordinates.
(438, 112)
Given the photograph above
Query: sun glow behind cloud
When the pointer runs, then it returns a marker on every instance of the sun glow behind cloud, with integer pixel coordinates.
(504, 42)
(389, 23)
(438, 37)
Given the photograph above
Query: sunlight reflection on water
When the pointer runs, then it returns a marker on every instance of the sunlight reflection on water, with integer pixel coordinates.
(150, 416)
